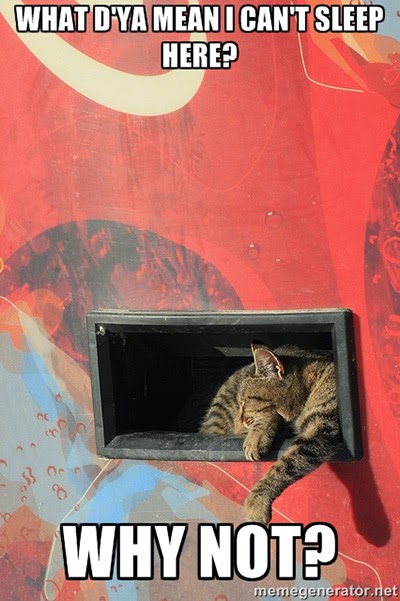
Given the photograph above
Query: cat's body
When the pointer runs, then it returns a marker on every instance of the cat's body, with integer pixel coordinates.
(288, 386)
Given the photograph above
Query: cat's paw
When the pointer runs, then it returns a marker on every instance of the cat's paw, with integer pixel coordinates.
(251, 446)
(258, 508)
(256, 444)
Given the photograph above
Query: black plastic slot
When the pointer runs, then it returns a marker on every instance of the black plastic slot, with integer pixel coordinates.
(154, 374)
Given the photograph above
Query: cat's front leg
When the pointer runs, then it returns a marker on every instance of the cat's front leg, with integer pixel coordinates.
(260, 437)
(315, 445)
(258, 507)
(256, 444)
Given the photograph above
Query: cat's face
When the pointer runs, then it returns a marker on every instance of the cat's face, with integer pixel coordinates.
(259, 396)
(264, 392)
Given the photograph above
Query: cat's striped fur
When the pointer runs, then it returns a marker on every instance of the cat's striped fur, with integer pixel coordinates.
(289, 385)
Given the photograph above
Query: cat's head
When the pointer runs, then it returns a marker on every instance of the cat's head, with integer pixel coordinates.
(267, 389)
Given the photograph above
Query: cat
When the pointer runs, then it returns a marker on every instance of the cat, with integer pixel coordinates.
(290, 386)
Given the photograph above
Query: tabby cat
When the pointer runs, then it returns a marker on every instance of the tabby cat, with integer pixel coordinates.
(289, 386)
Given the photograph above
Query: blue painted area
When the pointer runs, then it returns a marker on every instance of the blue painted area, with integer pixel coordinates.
(27, 396)
(133, 487)
(129, 487)
(40, 383)
(43, 387)
(391, 25)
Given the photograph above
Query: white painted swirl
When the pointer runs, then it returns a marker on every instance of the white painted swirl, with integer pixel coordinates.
(146, 95)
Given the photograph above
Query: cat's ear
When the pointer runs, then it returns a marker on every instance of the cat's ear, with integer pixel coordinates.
(266, 363)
